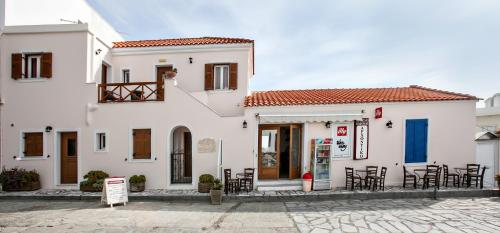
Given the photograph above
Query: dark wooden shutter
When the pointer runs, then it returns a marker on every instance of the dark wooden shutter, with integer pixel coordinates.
(233, 76)
(46, 67)
(142, 144)
(209, 77)
(33, 144)
(17, 65)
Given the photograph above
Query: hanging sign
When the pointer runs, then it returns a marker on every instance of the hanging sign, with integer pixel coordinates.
(341, 140)
(361, 139)
(114, 191)
(378, 113)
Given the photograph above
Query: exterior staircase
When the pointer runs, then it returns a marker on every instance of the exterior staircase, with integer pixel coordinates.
(279, 185)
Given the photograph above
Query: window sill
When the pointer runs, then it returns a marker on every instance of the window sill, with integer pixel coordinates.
(101, 151)
(30, 158)
(416, 164)
(221, 91)
(140, 160)
(32, 80)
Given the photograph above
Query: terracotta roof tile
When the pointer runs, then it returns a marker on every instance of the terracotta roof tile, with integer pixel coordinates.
(181, 42)
(348, 96)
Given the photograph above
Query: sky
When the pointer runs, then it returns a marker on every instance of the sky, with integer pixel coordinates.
(449, 44)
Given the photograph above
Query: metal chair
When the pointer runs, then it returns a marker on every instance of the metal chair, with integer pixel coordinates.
(352, 179)
(409, 176)
(447, 174)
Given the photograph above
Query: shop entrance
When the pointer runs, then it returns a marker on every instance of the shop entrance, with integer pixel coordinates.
(280, 151)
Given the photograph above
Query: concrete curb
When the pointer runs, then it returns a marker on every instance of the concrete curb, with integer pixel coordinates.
(269, 198)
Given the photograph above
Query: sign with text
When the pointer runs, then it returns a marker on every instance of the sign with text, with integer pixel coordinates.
(361, 139)
(206, 145)
(378, 113)
(341, 140)
(114, 191)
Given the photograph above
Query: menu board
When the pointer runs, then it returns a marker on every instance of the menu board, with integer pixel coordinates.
(361, 139)
(114, 191)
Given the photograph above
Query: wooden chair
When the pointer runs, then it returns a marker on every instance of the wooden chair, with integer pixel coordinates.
(381, 179)
(478, 178)
(247, 181)
(447, 174)
(409, 176)
(230, 184)
(432, 174)
(352, 180)
(472, 169)
(371, 176)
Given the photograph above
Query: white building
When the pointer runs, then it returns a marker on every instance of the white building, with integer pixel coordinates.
(74, 101)
(488, 118)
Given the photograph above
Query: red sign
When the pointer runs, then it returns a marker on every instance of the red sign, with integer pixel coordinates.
(342, 131)
(378, 113)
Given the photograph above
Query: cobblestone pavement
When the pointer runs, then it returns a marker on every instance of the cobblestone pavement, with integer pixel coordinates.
(402, 215)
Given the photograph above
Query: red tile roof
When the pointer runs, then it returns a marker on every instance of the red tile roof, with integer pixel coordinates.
(348, 96)
(181, 42)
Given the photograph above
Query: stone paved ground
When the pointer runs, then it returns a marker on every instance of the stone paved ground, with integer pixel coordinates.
(402, 215)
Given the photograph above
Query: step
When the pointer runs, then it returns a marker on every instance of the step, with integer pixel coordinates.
(279, 185)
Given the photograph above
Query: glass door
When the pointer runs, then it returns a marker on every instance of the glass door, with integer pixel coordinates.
(269, 139)
(295, 151)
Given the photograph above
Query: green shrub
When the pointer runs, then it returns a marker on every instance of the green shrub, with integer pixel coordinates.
(136, 179)
(30, 176)
(15, 177)
(217, 185)
(206, 178)
(96, 175)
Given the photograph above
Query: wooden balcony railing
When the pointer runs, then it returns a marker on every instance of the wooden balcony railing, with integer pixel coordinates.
(130, 92)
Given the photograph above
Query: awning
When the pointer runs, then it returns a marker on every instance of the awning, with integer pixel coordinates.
(340, 116)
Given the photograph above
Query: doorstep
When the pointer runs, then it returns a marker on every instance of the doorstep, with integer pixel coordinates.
(279, 185)
(257, 196)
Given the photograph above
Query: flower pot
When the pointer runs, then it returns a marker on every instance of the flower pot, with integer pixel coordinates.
(216, 196)
(204, 187)
(89, 188)
(137, 187)
(170, 74)
(306, 185)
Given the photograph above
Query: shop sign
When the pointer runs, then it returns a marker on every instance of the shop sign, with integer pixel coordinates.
(114, 191)
(361, 139)
(341, 141)
(378, 113)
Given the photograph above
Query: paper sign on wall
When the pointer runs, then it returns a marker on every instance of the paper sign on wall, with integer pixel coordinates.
(206, 145)
(341, 140)
(361, 139)
(114, 191)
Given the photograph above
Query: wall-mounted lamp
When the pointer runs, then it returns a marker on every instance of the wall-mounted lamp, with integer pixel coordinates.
(389, 124)
(328, 124)
(98, 51)
(48, 129)
(245, 124)
(190, 60)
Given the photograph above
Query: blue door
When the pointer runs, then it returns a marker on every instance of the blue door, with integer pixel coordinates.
(416, 141)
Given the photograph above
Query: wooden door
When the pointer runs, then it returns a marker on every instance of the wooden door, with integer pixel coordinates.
(187, 154)
(69, 158)
(295, 151)
(104, 81)
(160, 74)
(269, 139)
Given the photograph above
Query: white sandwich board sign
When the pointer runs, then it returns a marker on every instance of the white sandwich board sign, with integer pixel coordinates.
(114, 191)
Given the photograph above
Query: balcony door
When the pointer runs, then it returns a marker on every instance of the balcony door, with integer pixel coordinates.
(280, 151)
(160, 77)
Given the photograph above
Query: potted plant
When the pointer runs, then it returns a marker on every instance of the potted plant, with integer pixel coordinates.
(205, 183)
(307, 182)
(216, 192)
(137, 183)
(18, 179)
(171, 73)
(94, 181)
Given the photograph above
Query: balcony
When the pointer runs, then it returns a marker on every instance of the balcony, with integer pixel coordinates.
(130, 92)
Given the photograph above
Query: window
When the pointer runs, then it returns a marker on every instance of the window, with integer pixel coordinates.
(31, 65)
(416, 141)
(33, 144)
(141, 144)
(221, 77)
(100, 142)
(126, 75)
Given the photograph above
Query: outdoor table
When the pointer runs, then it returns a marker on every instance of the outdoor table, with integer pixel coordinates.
(417, 173)
(240, 175)
(363, 174)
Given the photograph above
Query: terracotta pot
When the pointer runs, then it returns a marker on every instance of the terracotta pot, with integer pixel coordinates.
(204, 187)
(24, 187)
(89, 188)
(216, 196)
(137, 187)
(171, 74)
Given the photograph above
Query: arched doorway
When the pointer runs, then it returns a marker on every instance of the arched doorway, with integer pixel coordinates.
(181, 156)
